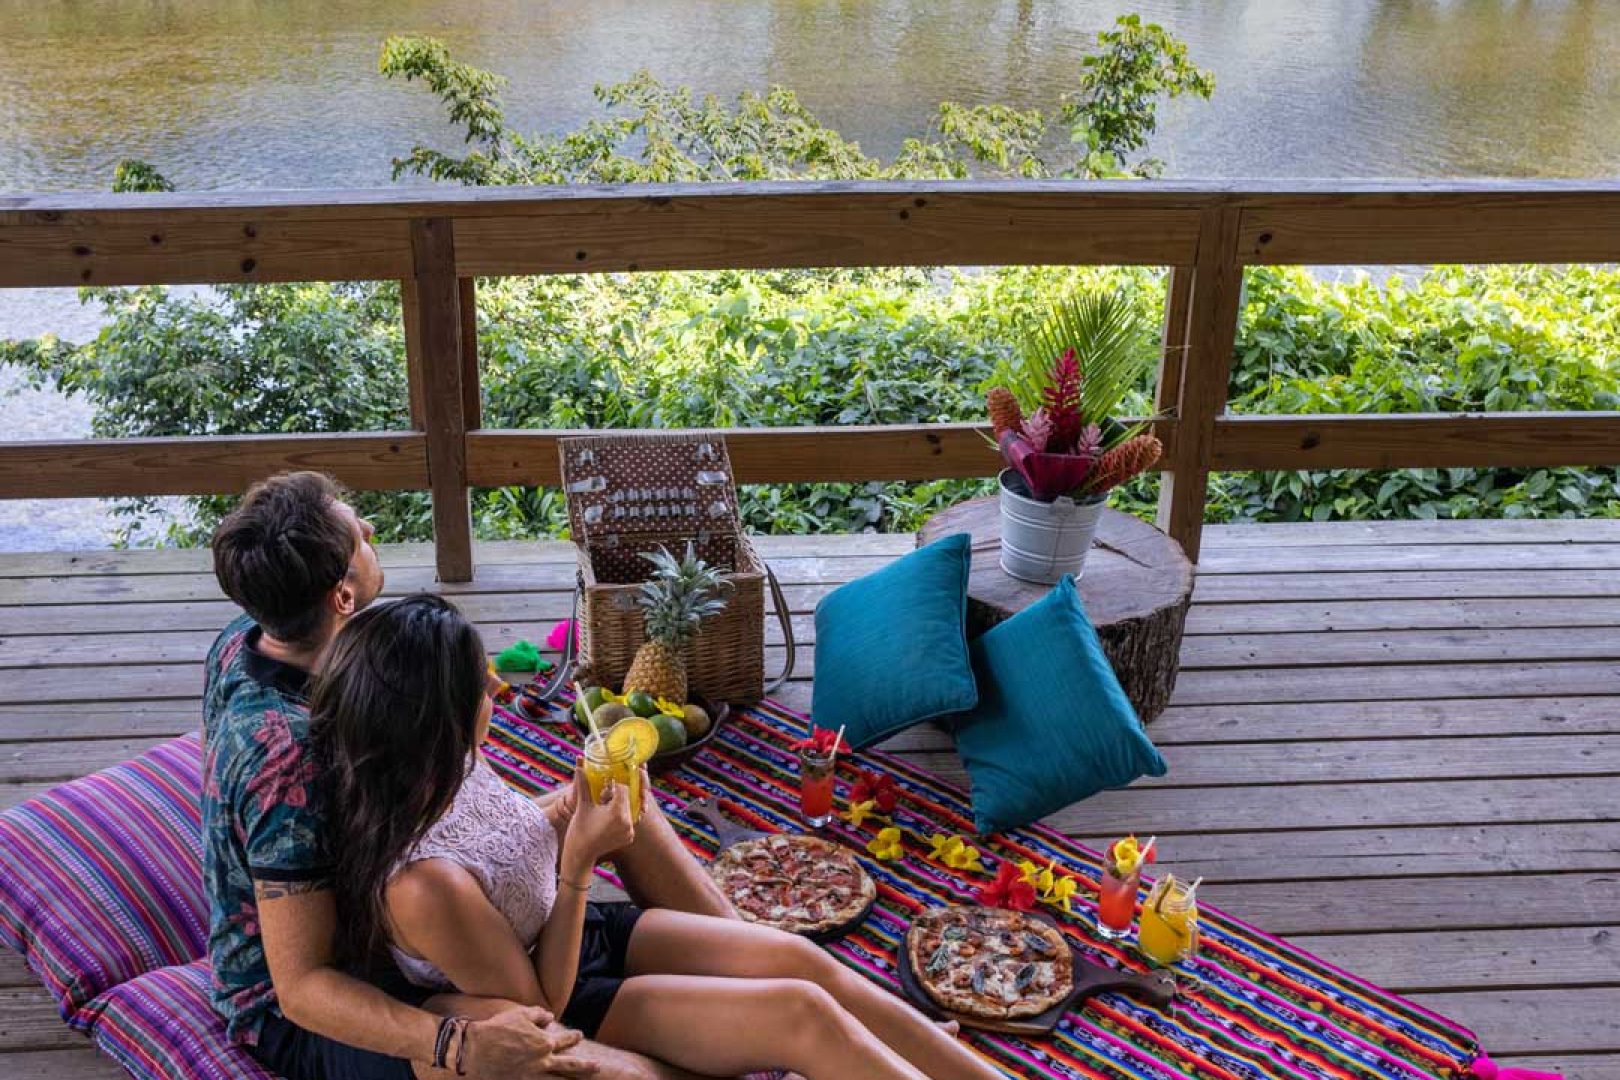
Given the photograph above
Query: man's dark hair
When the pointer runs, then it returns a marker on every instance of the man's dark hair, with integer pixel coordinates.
(282, 551)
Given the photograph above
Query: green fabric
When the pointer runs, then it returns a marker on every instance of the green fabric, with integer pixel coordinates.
(522, 656)
(1053, 725)
(891, 647)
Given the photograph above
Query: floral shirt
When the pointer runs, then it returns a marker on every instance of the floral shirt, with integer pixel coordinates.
(261, 821)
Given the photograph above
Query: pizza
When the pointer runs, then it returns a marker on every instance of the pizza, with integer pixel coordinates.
(801, 884)
(990, 963)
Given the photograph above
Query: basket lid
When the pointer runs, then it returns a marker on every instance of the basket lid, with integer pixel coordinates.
(648, 483)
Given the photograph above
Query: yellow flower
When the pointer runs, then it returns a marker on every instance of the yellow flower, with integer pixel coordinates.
(887, 844)
(1041, 879)
(1063, 888)
(669, 708)
(954, 852)
(858, 812)
(617, 699)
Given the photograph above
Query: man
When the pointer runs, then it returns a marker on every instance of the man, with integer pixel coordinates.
(299, 561)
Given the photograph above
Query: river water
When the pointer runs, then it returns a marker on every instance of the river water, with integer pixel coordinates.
(286, 94)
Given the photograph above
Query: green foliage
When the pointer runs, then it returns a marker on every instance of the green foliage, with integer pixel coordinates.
(1116, 110)
(133, 174)
(1453, 339)
(659, 134)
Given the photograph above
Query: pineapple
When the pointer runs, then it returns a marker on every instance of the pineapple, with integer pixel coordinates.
(676, 600)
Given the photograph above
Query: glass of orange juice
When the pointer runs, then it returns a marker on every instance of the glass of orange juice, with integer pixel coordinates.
(1169, 930)
(613, 760)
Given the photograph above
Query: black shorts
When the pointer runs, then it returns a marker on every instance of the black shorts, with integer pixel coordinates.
(602, 951)
(296, 1054)
(291, 1052)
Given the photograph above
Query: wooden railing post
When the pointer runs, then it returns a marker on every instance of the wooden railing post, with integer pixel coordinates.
(433, 306)
(1172, 360)
(1212, 308)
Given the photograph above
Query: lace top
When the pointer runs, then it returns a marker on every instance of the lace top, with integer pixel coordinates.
(506, 843)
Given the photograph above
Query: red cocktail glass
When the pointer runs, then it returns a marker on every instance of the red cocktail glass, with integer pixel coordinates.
(815, 787)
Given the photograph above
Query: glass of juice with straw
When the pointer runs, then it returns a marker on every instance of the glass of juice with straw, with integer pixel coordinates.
(1121, 876)
(818, 755)
(616, 756)
(1170, 921)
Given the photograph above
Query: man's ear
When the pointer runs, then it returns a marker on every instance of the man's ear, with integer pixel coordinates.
(342, 598)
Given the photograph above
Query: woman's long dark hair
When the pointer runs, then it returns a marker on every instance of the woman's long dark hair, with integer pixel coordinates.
(394, 716)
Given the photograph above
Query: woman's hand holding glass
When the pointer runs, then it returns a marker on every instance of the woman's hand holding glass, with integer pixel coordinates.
(597, 829)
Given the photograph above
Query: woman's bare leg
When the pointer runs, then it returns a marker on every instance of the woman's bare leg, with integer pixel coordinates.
(677, 943)
(659, 872)
(723, 1027)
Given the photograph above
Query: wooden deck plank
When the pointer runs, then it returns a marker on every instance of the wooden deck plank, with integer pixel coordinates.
(1411, 585)
(1523, 613)
(1417, 851)
(1530, 1022)
(1385, 533)
(1515, 959)
(1408, 558)
(1231, 650)
(81, 1062)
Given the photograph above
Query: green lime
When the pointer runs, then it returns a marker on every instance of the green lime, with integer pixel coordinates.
(642, 704)
(671, 733)
(586, 702)
(593, 697)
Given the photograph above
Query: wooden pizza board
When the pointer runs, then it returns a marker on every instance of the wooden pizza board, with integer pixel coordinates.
(1157, 988)
(729, 833)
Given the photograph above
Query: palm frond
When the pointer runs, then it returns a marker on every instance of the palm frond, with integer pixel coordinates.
(1110, 340)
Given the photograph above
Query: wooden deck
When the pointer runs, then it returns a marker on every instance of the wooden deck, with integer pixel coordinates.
(1397, 744)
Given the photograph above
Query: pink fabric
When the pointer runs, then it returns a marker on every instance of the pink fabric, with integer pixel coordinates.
(1486, 1069)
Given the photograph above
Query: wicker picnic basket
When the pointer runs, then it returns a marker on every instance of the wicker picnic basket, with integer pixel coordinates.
(628, 494)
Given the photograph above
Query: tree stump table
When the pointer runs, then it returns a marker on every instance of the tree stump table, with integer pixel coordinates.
(1136, 588)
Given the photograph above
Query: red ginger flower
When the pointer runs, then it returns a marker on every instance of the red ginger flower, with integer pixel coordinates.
(1005, 415)
(1062, 398)
(879, 789)
(1123, 462)
(1009, 890)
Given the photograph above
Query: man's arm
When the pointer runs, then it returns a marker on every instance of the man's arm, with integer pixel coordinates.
(298, 924)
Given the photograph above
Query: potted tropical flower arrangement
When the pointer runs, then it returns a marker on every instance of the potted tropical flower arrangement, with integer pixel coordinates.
(1053, 414)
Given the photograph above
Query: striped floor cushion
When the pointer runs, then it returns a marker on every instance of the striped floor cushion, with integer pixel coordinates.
(101, 878)
(160, 1026)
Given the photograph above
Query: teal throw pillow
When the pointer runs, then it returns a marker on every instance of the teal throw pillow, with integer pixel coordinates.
(1053, 725)
(891, 647)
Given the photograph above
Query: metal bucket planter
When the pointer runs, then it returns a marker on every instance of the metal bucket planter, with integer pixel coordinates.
(1041, 541)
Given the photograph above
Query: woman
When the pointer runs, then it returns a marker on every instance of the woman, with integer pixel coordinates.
(476, 888)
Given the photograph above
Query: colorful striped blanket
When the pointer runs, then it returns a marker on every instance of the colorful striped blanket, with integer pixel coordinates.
(1251, 1006)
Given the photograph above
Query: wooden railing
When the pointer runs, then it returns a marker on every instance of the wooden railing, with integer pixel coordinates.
(437, 243)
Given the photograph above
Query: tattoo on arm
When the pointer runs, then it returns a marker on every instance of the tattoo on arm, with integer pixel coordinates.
(278, 890)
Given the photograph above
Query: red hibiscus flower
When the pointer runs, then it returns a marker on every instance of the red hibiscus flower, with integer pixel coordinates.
(878, 788)
(1009, 890)
(821, 741)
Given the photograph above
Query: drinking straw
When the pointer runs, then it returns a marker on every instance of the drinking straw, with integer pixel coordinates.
(1194, 887)
(590, 717)
(838, 741)
(1147, 847)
